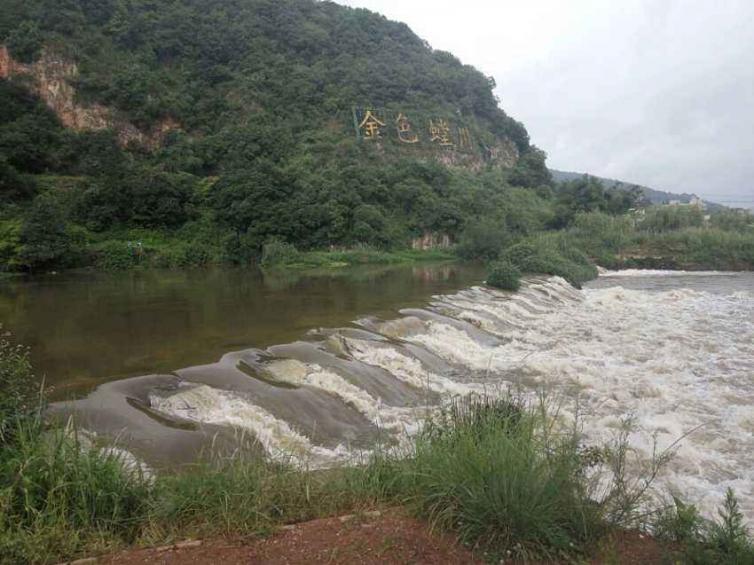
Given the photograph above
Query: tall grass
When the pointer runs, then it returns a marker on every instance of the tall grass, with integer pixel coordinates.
(498, 475)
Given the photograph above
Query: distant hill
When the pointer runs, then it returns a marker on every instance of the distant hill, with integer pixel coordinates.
(653, 195)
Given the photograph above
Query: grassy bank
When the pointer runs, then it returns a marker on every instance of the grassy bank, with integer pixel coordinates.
(279, 255)
(497, 472)
(656, 239)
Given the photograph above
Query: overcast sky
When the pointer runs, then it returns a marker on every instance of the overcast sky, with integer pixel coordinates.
(656, 92)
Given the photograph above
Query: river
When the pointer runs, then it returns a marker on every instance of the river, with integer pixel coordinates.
(318, 368)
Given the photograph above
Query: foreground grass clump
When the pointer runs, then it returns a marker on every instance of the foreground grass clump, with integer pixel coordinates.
(19, 390)
(495, 473)
(724, 541)
(60, 494)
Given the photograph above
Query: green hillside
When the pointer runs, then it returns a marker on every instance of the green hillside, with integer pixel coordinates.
(652, 195)
(206, 128)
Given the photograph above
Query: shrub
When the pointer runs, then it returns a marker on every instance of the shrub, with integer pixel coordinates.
(483, 240)
(504, 275)
(702, 541)
(276, 252)
(551, 256)
(19, 388)
(117, 255)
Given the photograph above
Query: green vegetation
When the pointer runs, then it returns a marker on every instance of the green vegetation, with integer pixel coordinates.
(261, 95)
(704, 541)
(278, 254)
(504, 275)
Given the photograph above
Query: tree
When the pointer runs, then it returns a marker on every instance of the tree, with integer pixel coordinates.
(531, 170)
(25, 42)
(45, 241)
(13, 185)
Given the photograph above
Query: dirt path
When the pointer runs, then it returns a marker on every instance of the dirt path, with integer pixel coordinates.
(374, 538)
(390, 538)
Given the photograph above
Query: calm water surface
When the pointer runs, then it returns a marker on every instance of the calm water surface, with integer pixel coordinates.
(89, 328)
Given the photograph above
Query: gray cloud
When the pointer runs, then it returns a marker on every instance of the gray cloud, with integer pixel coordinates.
(657, 92)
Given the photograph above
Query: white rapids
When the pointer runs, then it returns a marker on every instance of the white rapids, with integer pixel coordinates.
(678, 360)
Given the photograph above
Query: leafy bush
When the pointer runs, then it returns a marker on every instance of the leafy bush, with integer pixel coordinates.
(551, 255)
(277, 252)
(725, 541)
(19, 388)
(25, 42)
(483, 239)
(505, 275)
(116, 255)
(45, 238)
(10, 244)
(661, 219)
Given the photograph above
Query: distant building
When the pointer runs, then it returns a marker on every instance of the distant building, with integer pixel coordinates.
(695, 202)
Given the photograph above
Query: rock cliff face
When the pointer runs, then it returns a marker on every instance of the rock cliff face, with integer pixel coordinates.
(430, 240)
(50, 78)
(504, 154)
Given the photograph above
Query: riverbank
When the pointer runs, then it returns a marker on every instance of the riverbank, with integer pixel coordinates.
(485, 478)
(499, 474)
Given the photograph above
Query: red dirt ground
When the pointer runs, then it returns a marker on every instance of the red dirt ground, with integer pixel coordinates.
(391, 538)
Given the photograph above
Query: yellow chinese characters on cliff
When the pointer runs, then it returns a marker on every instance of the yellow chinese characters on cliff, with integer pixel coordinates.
(406, 133)
(370, 126)
(439, 132)
(373, 124)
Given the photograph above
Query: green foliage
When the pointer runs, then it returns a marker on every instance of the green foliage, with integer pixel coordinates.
(31, 138)
(19, 388)
(25, 42)
(116, 255)
(10, 244)
(551, 254)
(505, 275)
(14, 186)
(588, 194)
(59, 493)
(730, 535)
(697, 540)
(483, 239)
(699, 247)
(661, 219)
(277, 253)
(45, 238)
(531, 170)
(494, 474)
(733, 220)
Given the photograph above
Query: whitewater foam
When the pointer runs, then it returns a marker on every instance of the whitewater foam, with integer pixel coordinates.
(678, 362)
(208, 405)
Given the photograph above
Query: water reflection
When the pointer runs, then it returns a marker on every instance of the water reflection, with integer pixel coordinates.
(87, 328)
